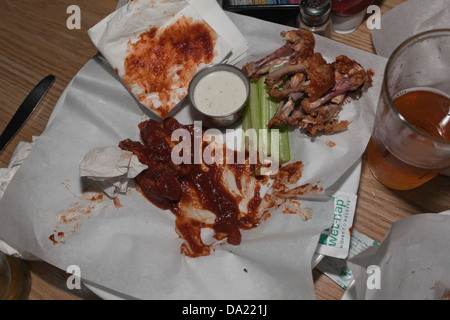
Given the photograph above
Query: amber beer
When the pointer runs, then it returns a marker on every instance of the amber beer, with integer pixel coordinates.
(428, 112)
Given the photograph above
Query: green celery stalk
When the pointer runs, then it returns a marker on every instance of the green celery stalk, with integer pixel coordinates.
(265, 117)
(253, 104)
(246, 124)
(285, 150)
(273, 107)
(259, 110)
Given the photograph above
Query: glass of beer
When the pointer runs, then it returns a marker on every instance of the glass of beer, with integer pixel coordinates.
(15, 278)
(5, 276)
(410, 142)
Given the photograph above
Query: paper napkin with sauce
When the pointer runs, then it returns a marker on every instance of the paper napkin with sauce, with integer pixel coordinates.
(156, 47)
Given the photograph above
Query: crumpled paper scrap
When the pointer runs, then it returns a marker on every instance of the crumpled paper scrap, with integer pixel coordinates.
(410, 263)
(22, 150)
(111, 168)
(20, 153)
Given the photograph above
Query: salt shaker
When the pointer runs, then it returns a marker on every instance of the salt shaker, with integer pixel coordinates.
(315, 16)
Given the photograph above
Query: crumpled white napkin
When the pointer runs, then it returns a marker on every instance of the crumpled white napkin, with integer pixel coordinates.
(22, 150)
(111, 168)
(20, 153)
(412, 262)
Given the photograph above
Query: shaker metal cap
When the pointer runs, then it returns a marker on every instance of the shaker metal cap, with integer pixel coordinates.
(315, 7)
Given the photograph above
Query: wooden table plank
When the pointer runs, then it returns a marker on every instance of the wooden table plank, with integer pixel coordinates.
(36, 42)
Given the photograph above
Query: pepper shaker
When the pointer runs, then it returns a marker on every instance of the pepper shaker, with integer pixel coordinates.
(315, 16)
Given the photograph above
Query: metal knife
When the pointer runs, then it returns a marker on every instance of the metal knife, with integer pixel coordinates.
(25, 110)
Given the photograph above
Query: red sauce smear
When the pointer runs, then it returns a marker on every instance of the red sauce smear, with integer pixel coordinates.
(168, 186)
(164, 59)
(288, 175)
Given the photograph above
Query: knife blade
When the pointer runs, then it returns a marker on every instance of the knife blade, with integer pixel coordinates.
(25, 110)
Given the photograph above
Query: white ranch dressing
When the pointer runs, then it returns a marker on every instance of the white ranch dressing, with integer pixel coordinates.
(220, 93)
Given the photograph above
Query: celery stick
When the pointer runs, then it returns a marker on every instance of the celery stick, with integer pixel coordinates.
(246, 117)
(254, 114)
(258, 112)
(285, 150)
(246, 124)
(265, 117)
(254, 105)
(273, 106)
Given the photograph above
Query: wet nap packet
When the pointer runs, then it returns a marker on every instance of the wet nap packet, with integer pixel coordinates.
(337, 269)
(335, 241)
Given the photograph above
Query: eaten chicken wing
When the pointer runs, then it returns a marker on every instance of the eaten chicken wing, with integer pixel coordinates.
(299, 45)
(311, 91)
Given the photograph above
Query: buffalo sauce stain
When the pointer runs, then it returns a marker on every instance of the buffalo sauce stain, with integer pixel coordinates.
(71, 218)
(117, 203)
(166, 185)
(290, 174)
(164, 59)
(289, 206)
(59, 235)
(330, 143)
(446, 295)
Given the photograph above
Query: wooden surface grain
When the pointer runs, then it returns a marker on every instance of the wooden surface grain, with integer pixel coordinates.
(36, 42)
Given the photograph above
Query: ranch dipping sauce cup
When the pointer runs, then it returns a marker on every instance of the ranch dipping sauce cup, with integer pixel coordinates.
(220, 93)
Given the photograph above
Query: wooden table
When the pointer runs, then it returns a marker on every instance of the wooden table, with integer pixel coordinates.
(36, 42)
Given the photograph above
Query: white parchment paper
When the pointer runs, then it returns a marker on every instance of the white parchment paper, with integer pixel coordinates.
(133, 248)
(408, 19)
(411, 263)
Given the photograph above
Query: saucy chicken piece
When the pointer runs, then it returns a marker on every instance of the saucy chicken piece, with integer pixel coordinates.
(200, 195)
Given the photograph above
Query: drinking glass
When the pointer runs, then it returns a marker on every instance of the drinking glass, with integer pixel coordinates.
(5, 276)
(15, 279)
(410, 142)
